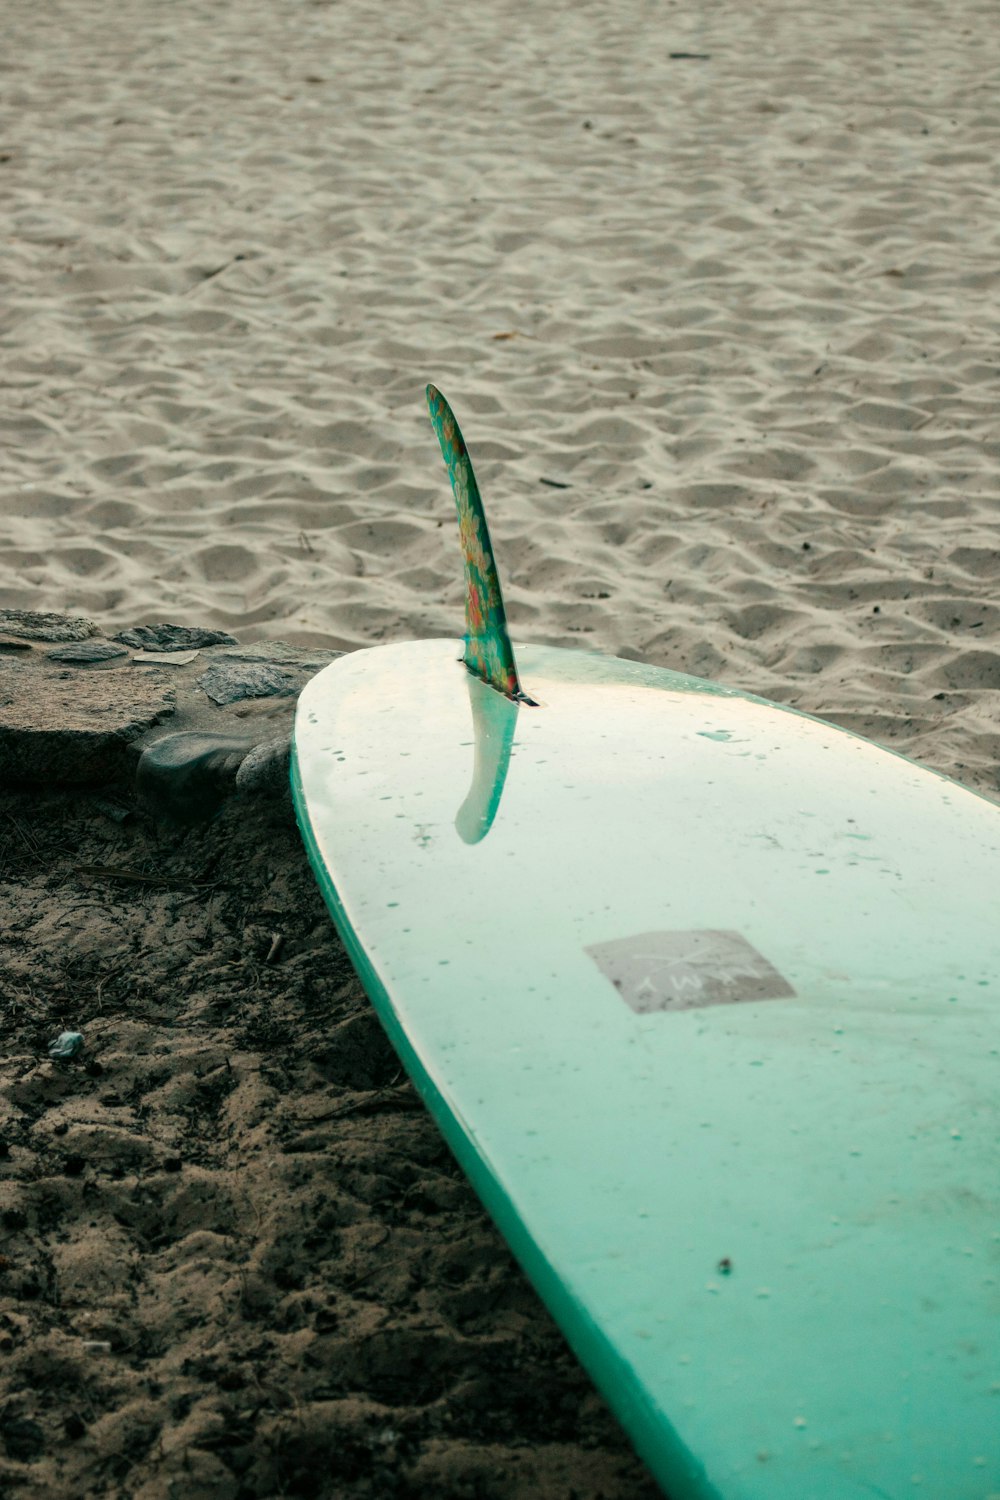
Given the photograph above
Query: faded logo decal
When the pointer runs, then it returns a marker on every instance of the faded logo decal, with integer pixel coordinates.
(685, 970)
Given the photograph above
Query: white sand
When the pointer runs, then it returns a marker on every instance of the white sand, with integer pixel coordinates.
(744, 307)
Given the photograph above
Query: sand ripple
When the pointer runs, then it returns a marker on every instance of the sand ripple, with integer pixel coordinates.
(721, 330)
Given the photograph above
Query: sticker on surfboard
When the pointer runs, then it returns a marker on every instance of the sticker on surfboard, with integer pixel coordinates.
(687, 970)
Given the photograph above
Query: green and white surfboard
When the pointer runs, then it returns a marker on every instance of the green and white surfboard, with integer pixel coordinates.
(705, 996)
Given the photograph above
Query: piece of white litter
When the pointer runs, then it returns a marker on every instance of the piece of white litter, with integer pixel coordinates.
(66, 1044)
(165, 658)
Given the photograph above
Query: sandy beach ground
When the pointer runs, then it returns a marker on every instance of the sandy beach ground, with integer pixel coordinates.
(743, 304)
(714, 291)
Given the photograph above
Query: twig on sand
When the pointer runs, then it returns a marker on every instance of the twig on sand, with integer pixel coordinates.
(393, 1095)
(211, 275)
(118, 872)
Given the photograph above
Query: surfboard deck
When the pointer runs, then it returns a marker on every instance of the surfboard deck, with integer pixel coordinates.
(703, 994)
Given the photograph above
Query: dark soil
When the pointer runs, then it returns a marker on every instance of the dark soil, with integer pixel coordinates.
(236, 1258)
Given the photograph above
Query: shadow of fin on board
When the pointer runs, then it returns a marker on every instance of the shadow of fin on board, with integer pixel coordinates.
(488, 651)
(494, 720)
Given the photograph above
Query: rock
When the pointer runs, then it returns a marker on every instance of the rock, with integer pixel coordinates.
(230, 709)
(186, 777)
(30, 626)
(230, 680)
(63, 726)
(279, 654)
(118, 812)
(81, 652)
(264, 770)
(172, 637)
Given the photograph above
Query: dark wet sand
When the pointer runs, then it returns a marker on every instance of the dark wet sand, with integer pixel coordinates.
(237, 1259)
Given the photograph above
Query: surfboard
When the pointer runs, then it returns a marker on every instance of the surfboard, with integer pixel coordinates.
(703, 994)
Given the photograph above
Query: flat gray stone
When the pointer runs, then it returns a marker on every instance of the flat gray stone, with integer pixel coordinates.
(60, 725)
(279, 654)
(81, 652)
(173, 637)
(63, 722)
(229, 681)
(28, 625)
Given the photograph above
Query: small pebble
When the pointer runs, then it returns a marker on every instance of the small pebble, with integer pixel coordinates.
(109, 808)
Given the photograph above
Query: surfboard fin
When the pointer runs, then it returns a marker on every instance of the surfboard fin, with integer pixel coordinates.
(488, 651)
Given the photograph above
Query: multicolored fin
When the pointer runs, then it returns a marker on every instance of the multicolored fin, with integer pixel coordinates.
(488, 651)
